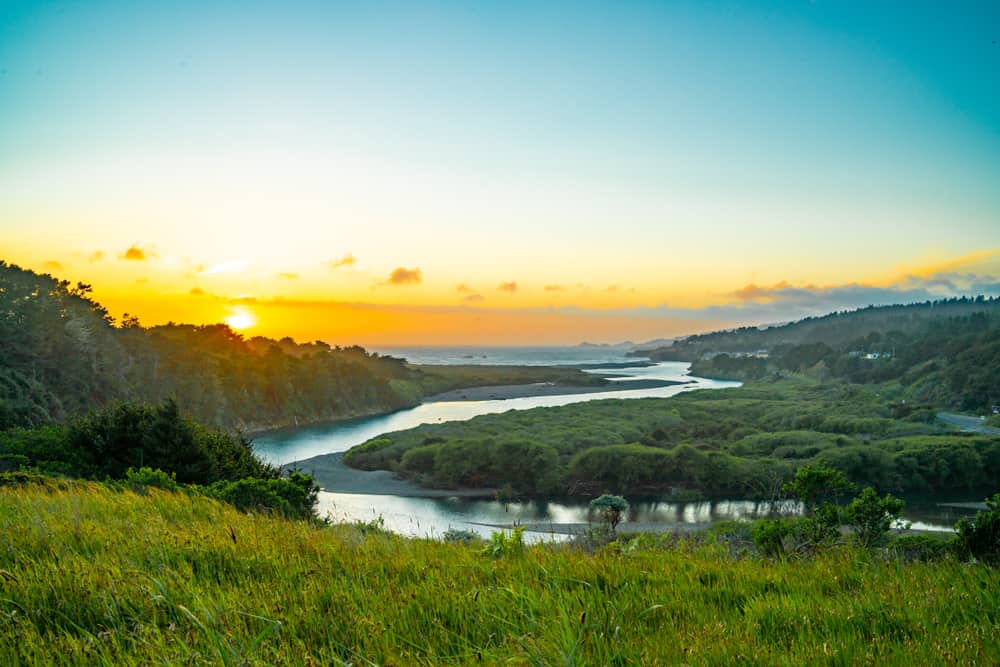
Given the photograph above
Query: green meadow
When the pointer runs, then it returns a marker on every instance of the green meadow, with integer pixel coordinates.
(96, 574)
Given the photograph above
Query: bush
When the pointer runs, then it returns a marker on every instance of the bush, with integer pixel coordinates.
(872, 517)
(143, 478)
(980, 536)
(502, 545)
(769, 536)
(294, 497)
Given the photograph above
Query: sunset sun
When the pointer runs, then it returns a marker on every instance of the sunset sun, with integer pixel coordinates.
(241, 319)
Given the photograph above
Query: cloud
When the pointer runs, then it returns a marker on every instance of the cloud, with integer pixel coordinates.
(554, 288)
(53, 265)
(289, 276)
(141, 281)
(95, 256)
(403, 276)
(197, 291)
(612, 288)
(463, 288)
(346, 260)
(136, 254)
(473, 298)
(507, 287)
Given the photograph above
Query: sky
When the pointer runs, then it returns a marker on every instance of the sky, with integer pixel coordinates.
(501, 173)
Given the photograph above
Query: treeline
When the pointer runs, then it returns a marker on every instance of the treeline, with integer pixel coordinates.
(745, 442)
(949, 361)
(835, 329)
(64, 355)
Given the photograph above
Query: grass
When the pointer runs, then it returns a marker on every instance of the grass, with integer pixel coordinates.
(92, 575)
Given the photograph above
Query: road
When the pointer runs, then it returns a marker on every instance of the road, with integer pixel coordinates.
(967, 423)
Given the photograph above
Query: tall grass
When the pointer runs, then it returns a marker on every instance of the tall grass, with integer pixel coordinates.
(91, 575)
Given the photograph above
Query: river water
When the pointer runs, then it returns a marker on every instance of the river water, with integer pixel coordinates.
(429, 517)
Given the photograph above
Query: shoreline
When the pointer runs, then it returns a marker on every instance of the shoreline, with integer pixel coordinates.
(334, 476)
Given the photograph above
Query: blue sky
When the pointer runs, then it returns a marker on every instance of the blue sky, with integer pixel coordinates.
(677, 151)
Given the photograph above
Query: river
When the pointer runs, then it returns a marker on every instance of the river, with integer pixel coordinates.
(423, 517)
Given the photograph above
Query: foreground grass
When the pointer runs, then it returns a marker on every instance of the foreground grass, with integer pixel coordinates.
(90, 575)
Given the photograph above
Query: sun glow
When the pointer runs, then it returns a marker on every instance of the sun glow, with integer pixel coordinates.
(241, 319)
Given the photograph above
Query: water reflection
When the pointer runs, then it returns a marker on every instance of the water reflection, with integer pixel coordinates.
(432, 517)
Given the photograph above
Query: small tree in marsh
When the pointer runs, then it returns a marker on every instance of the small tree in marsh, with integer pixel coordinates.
(611, 509)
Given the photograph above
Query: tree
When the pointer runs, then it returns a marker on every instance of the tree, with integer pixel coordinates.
(610, 508)
(871, 516)
(817, 482)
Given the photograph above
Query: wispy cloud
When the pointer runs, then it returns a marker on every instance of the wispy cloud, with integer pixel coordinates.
(345, 261)
(53, 265)
(95, 256)
(403, 276)
(554, 288)
(289, 276)
(463, 288)
(507, 287)
(474, 298)
(197, 291)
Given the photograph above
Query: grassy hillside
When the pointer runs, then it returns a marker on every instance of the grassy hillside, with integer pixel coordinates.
(90, 575)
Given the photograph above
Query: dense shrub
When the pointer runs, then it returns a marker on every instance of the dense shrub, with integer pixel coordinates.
(294, 496)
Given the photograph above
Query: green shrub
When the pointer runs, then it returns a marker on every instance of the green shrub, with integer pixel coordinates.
(143, 478)
(294, 497)
(769, 535)
(504, 545)
(980, 536)
(872, 517)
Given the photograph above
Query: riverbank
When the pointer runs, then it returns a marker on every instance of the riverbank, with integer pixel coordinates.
(333, 475)
(505, 392)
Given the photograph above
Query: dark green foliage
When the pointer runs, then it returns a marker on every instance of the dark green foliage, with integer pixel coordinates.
(817, 483)
(144, 478)
(744, 442)
(125, 436)
(980, 536)
(872, 517)
(293, 497)
(769, 536)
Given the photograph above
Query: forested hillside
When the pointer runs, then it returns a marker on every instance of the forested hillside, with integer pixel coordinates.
(63, 355)
(952, 361)
(834, 329)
